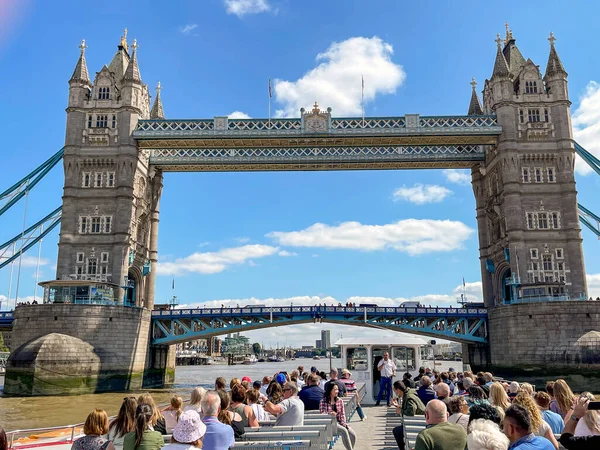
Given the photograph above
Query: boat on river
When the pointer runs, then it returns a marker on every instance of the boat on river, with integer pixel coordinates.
(251, 359)
(361, 356)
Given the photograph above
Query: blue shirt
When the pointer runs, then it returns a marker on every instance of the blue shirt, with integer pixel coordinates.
(554, 420)
(532, 442)
(425, 394)
(218, 436)
(311, 396)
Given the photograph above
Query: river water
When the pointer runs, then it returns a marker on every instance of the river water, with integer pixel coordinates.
(37, 412)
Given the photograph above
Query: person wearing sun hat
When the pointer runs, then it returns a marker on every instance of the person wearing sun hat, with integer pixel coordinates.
(188, 433)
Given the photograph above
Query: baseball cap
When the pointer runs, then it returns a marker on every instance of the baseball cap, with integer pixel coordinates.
(313, 369)
(247, 378)
(280, 378)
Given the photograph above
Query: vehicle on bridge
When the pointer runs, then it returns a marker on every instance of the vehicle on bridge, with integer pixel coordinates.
(411, 304)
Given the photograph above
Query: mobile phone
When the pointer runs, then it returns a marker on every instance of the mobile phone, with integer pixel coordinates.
(593, 405)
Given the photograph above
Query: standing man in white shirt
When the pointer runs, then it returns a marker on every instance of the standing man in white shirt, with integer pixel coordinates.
(387, 368)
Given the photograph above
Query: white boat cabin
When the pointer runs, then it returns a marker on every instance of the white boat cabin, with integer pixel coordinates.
(361, 356)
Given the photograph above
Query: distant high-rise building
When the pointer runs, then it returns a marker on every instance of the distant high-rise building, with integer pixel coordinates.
(325, 339)
(318, 343)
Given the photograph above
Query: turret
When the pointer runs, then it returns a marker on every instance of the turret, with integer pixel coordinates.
(157, 108)
(132, 87)
(80, 84)
(475, 108)
(556, 75)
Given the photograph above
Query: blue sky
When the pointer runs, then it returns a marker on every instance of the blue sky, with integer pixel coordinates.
(214, 57)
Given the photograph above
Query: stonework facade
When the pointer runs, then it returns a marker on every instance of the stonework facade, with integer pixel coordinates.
(525, 192)
(110, 202)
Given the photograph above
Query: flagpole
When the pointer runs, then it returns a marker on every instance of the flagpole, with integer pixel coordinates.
(362, 100)
(269, 103)
(464, 291)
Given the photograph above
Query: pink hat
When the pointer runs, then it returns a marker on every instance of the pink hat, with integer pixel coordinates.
(190, 428)
(247, 378)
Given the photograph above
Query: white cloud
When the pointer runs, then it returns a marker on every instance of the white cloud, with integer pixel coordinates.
(586, 125)
(242, 7)
(26, 260)
(187, 29)
(593, 281)
(411, 236)
(242, 239)
(286, 253)
(472, 291)
(457, 176)
(215, 262)
(336, 81)
(420, 194)
(239, 115)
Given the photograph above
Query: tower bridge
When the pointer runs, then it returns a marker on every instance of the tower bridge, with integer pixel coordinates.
(518, 144)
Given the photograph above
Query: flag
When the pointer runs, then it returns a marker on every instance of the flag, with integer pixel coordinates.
(270, 90)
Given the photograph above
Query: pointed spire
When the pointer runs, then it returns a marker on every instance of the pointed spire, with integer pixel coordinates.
(133, 71)
(157, 108)
(80, 74)
(500, 65)
(475, 108)
(555, 66)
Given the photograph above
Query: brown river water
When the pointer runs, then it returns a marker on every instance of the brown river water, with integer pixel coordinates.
(17, 413)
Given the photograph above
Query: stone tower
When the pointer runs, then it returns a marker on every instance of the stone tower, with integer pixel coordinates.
(110, 203)
(525, 191)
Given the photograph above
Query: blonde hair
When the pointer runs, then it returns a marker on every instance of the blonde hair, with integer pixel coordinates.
(526, 401)
(563, 395)
(96, 422)
(233, 382)
(148, 400)
(498, 396)
(527, 388)
(197, 394)
(591, 416)
(176, 403)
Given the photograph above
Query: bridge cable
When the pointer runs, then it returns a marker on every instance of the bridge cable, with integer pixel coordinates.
(27, 238)
(14, 193)
(586, 216)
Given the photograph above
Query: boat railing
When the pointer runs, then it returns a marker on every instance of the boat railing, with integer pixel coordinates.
(41, 437)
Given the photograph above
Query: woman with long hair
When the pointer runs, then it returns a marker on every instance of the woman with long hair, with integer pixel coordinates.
(499, 398)
(195, 400)
(589, 425)
(563, 399)
(334, 406)
(238, 397)
(95, 427)
(539, 427)
(275, 392)
(143, 437)
(476, 396)
(123, 423)
(231, 418)
(172, 413)
(233, 382)
(3, 439)
(158, 421)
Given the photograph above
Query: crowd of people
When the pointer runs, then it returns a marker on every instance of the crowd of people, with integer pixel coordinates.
(462, 411)
(477, 412)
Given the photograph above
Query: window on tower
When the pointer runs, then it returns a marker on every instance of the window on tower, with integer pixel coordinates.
(103, 93)
(533, 115)
(521, 118)
(538, 175)
(89, 121)
(525, 172)
(95, 225)
(101, 121)
(114, 121)
(546, 115)
(551, 177)
(92, 266)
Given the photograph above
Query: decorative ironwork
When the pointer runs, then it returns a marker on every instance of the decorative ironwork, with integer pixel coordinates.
(148, 129)
(341, 155)
(181, 325)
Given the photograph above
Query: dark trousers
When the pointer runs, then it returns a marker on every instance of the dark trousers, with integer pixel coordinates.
(399, 435)
(385, 384)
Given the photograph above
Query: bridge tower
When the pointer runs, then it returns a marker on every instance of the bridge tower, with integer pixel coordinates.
(526, 198)
(108, 237)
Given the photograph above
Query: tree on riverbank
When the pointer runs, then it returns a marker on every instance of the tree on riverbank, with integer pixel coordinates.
(256, 348)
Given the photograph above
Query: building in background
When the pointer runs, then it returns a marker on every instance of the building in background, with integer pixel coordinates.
(318, 343)
(325, 339)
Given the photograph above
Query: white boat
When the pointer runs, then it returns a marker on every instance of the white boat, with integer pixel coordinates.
(250, 360)
(361, 356)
